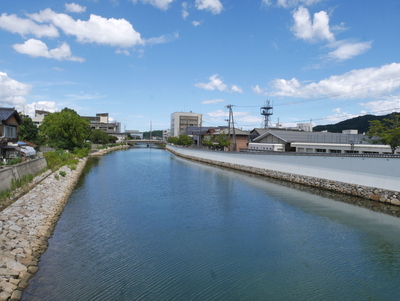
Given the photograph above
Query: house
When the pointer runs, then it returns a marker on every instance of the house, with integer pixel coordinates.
(9, 124)
(238, 138)
(349, 141)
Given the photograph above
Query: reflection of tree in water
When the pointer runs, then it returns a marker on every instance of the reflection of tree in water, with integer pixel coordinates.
(91, 162)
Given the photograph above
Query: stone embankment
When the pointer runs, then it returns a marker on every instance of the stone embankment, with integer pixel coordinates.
(27, 224)
(104, 151)
(25, 227)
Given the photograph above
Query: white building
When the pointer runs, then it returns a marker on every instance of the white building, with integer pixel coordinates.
(39, 116)
(181, 120)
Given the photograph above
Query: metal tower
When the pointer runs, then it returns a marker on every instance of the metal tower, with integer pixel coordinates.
(266, 111)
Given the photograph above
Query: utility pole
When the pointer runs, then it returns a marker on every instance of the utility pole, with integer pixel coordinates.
(266, 111)
(233, 126)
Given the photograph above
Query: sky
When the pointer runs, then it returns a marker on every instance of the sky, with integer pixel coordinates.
(319, 61)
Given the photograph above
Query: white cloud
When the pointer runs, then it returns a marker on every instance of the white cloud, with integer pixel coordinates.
(162, 39)
(161, 4)
(12, 92)
(383, 106)
(293, 3)
(257, 90)
(185, 13)
(14, 24)
(196, 23)
(348, 50)
(311, 30)
(123, 51)
(99, 30)
(214, 6)
(216, 83)
(236, 89)
(29, 109)
(212, 101)
(36, 48)
(74, 8)
(360, 83)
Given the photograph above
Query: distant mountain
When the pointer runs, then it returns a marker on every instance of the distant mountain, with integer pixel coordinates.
(360, 123)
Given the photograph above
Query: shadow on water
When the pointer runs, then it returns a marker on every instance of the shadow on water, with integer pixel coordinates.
(336, 196)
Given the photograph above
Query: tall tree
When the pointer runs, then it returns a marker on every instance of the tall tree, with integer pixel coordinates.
(99, 137)
(28, 131)
(386, 131)
(65, 129)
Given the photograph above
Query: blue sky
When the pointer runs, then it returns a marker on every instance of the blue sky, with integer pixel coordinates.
(141, 60)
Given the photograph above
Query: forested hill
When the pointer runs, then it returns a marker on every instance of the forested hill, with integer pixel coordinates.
(360, 123)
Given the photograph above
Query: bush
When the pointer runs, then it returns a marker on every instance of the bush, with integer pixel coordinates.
(59, 158)
(63, 173)
(16, 160)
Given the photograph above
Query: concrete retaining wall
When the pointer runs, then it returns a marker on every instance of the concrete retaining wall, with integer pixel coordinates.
(372, 178)
(19, 170)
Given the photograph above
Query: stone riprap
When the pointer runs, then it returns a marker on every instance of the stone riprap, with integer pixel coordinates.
(104, 151)
(26, 225)
(371, 193)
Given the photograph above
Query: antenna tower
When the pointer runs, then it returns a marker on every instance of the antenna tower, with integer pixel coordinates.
(266, 111)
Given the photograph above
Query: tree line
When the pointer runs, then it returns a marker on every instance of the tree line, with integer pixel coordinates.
(63, 130)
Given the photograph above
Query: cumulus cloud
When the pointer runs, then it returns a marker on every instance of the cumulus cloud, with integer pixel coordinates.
(161, 4)
(257, 90)
(216, 83)
(36, 48)
(99, 30)
(383, 106)
(311, 30)
(29, 109)
(318, 29)
(212, 101)
(360, 83)
(348, 50)
(196, 23)
(214, 6)
(14, 24)
(74, 8)
(12, 92)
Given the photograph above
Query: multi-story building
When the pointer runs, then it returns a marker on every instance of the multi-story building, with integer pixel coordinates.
(180, 121)
(101, 122)
(9, 126)
(39, 116)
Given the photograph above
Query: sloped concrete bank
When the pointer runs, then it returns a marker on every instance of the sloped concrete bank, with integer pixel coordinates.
(368, 192)
(27, 224)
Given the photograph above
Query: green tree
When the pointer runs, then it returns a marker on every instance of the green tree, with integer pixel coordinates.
(208, 140)
(65, 129)
(223, 140)
(386, 131)
(173, 140)
(185, 140)
(99, 137)
(28, 131)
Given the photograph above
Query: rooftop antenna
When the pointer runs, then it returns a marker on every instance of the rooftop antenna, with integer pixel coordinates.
(266, 111)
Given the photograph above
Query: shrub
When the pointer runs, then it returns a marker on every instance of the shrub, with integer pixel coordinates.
(63, 173)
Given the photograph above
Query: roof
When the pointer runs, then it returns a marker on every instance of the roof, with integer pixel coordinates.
(6, 113)
(289, 136)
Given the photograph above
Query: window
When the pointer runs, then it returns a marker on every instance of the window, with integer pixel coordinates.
(335, 151)
(10, 131)
(320, 150)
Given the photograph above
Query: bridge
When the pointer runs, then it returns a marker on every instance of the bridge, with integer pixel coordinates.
(145, 141)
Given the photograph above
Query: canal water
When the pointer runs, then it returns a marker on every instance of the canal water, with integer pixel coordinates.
(143, 224)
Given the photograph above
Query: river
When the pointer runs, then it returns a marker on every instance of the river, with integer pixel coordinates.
(143, 224)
